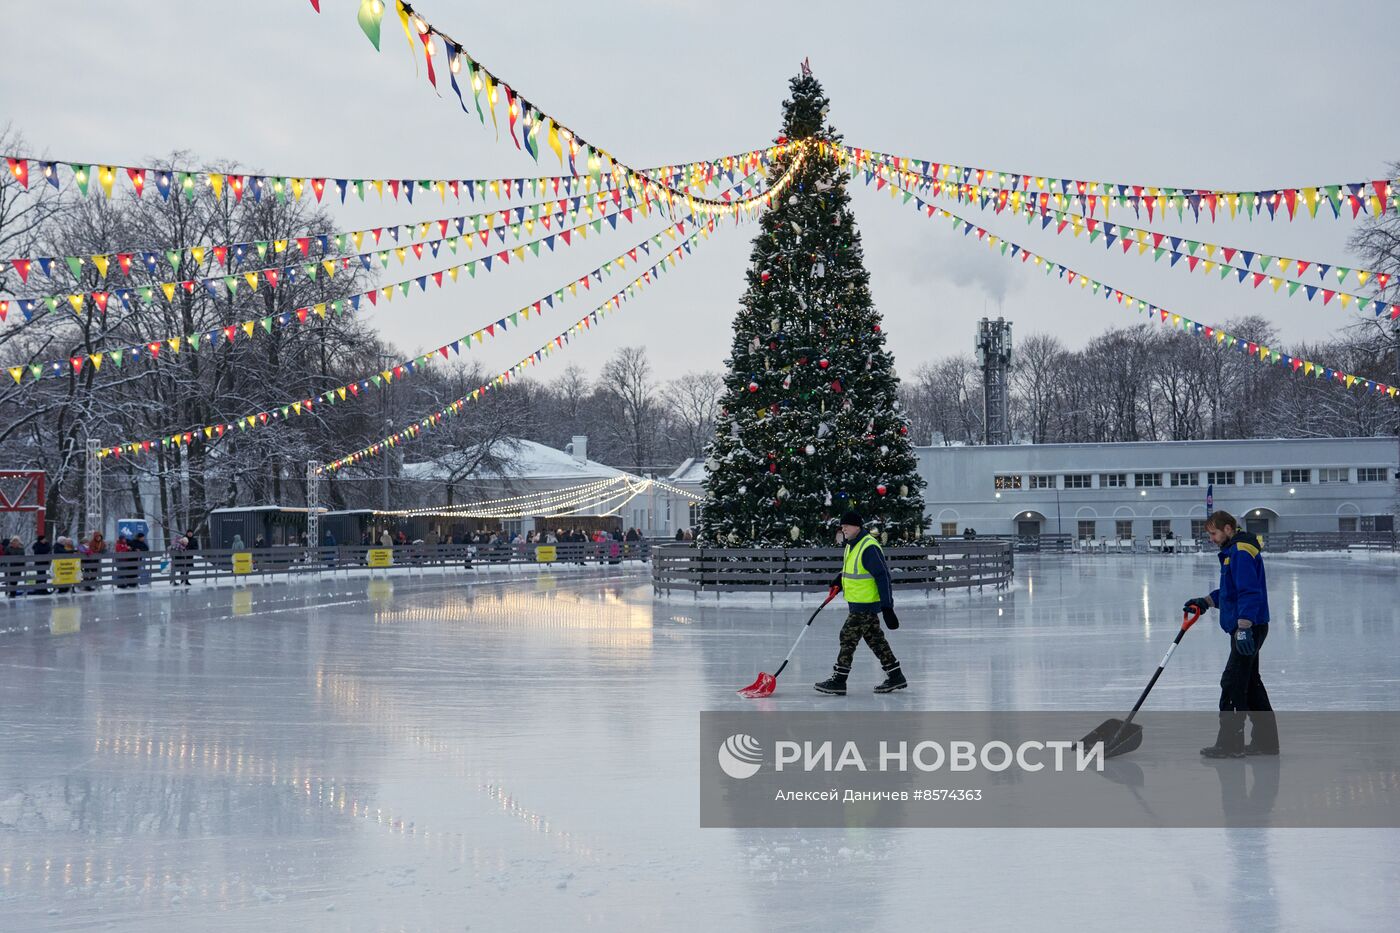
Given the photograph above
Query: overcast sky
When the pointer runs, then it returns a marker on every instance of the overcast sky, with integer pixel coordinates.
(1224, 95)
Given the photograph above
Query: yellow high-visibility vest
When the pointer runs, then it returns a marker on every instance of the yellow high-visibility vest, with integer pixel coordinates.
(857, 585)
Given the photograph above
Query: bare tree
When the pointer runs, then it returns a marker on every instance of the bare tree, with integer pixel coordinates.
(691, 408)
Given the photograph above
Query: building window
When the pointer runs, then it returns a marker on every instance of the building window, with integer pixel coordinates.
(1347, 524)
(1370, 474)
(1086, 528)
(1186, 479)
(1008, 481)
(1147, 479)
(1161, 527)
(1258, 477)
(1043, 481)
(1295, 477)
(1079, 481)
(949, 529)
(1334, 475)
(1198, 528)
(1221, 477)
(1123, 527)
(1113, 480)
(1381, 523)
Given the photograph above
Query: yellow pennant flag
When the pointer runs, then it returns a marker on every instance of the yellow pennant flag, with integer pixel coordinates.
(101, 262)
(296, 406)
(378, 186)
(106, 174)
(329, 266)
(174, 344)
(77, 302)
(341, 392)
(248, 327)
(297, 185)
(208, 433)
(198, 253)
(96, 360)
(402, 254)
(356, 238)
(452, 273)
(252, 279)
(216, 181)
(554, 140)
(169, 289)
(279, 246)
(320, 310)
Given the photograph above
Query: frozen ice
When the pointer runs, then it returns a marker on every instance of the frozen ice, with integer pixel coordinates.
(433, 753)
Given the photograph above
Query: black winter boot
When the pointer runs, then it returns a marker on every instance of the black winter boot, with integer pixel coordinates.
(894, 680)
(835, 685)
(1218, 751)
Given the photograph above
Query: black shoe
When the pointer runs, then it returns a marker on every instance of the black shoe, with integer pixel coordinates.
(1252, 750)
(835, 685)
(1216, 751)
(894, 680)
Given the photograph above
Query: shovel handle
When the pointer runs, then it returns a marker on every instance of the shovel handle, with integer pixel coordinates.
(810, 620)
(1189, 618)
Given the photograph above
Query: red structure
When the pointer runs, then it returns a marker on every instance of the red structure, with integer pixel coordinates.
(28, 498)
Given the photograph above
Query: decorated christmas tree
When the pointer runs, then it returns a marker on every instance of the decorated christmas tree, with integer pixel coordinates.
(810, 425)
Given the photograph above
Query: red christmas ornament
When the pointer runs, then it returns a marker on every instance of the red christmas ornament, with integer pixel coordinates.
(824, 363)
(904, 429)
(753, 386)
(836, 385)
(802, 361)
(772, 468)
(877, 328)
(765, 275)
(881, 489)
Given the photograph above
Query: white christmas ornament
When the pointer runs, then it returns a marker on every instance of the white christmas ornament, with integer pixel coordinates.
(810, 450)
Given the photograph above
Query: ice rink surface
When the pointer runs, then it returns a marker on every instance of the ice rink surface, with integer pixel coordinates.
(458, 752)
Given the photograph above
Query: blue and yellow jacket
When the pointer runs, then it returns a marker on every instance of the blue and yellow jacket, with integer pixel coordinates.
(1244, 592)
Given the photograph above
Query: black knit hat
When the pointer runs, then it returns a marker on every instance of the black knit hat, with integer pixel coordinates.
(852, 518)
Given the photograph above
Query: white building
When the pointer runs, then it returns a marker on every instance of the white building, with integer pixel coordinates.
(1145, 490)
(531, 469)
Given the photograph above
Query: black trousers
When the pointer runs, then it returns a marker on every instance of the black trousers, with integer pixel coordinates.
(1242, 695)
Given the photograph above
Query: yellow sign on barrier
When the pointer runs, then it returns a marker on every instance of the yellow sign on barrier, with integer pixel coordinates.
(546, 554)
(67, 571)
(242, 562)
(381, 557)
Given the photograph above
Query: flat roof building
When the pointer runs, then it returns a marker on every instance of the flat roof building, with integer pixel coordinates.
(1156, 489)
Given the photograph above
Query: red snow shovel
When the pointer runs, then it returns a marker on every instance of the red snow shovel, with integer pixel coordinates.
(767, 683)
(1120, 736)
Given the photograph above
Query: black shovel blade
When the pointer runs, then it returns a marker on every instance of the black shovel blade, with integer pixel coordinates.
(1117, 738)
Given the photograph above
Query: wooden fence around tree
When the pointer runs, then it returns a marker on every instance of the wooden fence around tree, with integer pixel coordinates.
(951, 565)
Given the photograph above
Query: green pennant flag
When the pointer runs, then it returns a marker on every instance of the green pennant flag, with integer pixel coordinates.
(1093, 235)
(1225, 270)
(82, 174)
(1342, 274)
(52, 302)
(384, 258)
(75, 265)
(186, 182)
(311, 270)
(285, 409)
(535, 247)
(471, 268)
(404, 285)
(267, 324)
(340, 242)
(36, 370)
(378, 379)
(173, 256)
(1362, 303)
(452, 244)
(371, 12)
(279, 187)
(1158, 253)
(1334, 194)
(261, 248)
(231, 283)
(515, 318)
(194, 341)
(1293, 287)
(1192, 246)
(1264, 263)
(117, 357)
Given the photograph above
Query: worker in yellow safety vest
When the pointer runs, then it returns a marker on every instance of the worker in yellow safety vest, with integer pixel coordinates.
(865, 582)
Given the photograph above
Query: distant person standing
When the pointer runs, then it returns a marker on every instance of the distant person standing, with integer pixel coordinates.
(865, 582)
(1243, 601)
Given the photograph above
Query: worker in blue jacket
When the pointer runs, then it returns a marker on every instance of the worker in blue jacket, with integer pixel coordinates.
(865, 582)
(1243, 601)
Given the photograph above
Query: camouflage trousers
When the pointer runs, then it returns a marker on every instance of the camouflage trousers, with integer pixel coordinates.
(863, 625)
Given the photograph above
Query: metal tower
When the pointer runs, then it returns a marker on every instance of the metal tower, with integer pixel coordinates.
(92, 489)
(313, 503)
(993, 343)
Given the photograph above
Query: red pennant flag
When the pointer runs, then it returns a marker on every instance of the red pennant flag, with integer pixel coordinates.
(235, 182)
(437, 277)
(1290, 197)
(427, 38)
(1210, 202)
(1191, 262)
(504, 256)
(22, 267)
(418, 250)
(138, 179)
(378, 231)
(154, 348)
(1258, 278)
(1327, 295)
(124, 263)
(19, 168)
(271, 275)
(301, 315)
(1228, 253)
(373, 296)
(77, 362)
(304, 244)
(394, 187)
(188, 286)
(354, 388)
(443, 351)
(229, 332)
(101, 298)
(565, 235)
(318, 185)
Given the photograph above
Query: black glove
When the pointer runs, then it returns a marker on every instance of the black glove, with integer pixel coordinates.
(835, 582)
(891, 620)
(1244, 639)
(1198, 605)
